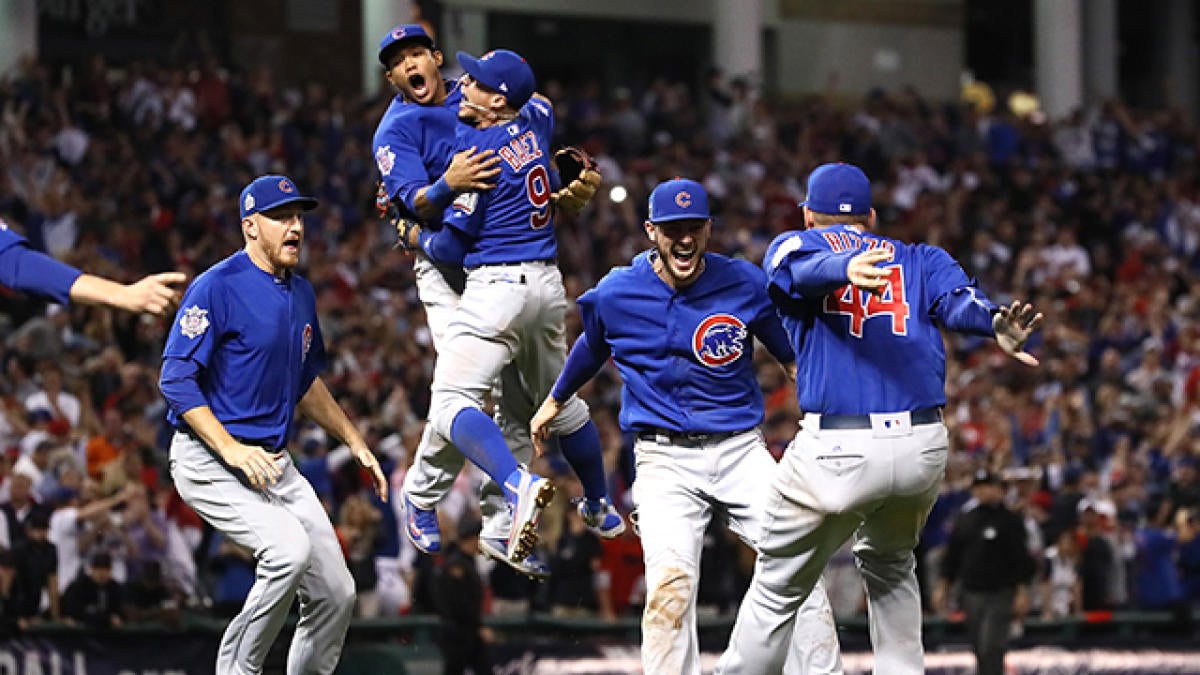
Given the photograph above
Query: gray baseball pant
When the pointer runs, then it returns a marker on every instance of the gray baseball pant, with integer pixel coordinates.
(297, 554)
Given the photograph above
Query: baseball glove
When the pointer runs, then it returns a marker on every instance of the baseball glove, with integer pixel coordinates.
(406, 230)
(580, 179)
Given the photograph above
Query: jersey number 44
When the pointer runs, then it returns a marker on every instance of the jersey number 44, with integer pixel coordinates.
(861, 305)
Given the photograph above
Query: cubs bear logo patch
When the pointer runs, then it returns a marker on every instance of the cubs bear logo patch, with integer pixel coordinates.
(193, 322)
(719, 340)
(308, 332)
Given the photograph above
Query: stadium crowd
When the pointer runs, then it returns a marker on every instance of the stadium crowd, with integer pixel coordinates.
(1095, 219)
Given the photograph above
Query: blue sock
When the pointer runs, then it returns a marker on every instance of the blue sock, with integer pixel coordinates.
(479, 439)
(582, 450)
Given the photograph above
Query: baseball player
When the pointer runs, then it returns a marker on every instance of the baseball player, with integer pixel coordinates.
(513, 308)
(243, 355)
(413, 143)
(24, 269)
(680, 324)
(863, 313)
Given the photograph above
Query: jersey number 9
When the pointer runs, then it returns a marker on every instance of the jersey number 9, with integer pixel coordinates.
(537, 187)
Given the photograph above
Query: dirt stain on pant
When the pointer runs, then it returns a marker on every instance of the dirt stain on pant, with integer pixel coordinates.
(666, 606)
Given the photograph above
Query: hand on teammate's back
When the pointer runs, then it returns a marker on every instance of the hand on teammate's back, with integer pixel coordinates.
(1013, 325)
(863, 273)
(472, 170)
(154, 294)
(256, 463)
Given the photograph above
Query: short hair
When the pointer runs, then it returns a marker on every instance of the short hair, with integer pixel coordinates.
(827, 219)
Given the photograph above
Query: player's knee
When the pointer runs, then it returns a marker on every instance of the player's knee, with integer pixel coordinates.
(444, 407)
(342, 592)
(571, 418)
(289, 557)
(668, 600)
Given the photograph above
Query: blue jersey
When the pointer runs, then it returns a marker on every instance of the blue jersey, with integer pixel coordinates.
(859, 353)
(511, 222)
(414, 144)
(253, 344)
(24, 269)
(685, 356)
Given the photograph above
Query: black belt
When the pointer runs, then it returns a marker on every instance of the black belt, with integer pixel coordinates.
(922, 416)
(687, 438)
(539, 261)
(268, 444)
(522, 279)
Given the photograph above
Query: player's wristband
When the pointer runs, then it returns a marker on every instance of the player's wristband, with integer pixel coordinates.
(440, 193)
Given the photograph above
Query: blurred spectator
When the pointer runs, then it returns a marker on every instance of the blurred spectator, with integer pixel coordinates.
(232, 569)
(149, 597)
(1061, 590)
(12, 605)
(37, 570)
(51, 396)
(20, 507)
(458, 600)
(107, 446)
(578, 585)
(95, 599)
(1158, 583)
(145, 531)
(358, 531)
(68, 522)
(1098, 560)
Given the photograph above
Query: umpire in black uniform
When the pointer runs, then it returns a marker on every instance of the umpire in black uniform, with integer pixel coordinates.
(458, 600)
(988, 554)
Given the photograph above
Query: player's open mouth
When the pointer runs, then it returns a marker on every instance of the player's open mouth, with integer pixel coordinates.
(291, 245)
(683, 259)
(418, 85)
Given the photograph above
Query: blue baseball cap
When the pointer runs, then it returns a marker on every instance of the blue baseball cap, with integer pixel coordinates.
(403, 33)
(678, 199)
(502, 70)
(838, 189)
(267, 192)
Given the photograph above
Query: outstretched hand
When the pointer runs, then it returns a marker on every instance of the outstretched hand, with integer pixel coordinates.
(154, 294)
(863, 273)
(1013, 325)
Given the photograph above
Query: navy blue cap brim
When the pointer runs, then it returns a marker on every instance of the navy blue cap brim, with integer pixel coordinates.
(680, 216)
(470, 64)
(306, 203)
(423, 39)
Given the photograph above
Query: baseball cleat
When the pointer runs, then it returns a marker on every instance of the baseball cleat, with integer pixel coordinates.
(531, 494)
(532, 566)
(605, 522)
(421, 526)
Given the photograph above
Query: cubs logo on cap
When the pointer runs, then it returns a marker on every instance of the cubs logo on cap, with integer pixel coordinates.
(838, 189)
(403, 33)
(719, 340)
(267, 192)
(678, 199)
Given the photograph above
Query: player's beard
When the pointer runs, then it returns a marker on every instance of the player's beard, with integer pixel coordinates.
(682, 269)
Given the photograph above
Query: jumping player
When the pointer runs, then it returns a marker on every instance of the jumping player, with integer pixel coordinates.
(413, 144)
(863, 313)
(680, 324)
(24, 269)
(243, 355)
(513, 309)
